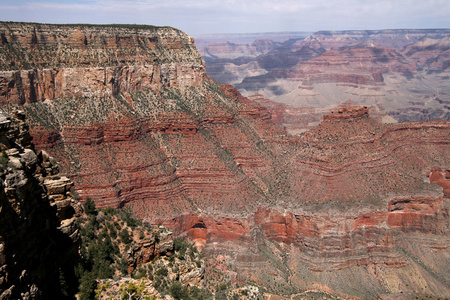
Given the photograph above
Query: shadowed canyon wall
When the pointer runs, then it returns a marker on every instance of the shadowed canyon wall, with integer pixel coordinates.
(39, 236)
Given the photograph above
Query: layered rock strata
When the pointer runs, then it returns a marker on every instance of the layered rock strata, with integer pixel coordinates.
(378, 250)
(328, 242)
(44, 62)
(349, 196)
(403, 72)
(394, 38)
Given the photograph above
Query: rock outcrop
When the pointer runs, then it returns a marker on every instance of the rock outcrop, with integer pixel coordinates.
(328, 242)
(38, 228)
(231, 50)
(348, 113)
(430, 54)
(114, 245)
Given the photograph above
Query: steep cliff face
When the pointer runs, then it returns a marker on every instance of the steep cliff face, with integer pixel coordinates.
(395, 250)
(331, 221)
(188, 156)
(38, 229)
(45, 62)
(351, 195)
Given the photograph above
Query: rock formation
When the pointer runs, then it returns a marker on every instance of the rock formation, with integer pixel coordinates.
(45, 62)
(38, 228)
(403, 72)
(232, 50)
(393, 38)
(352, 197)
(116, 245)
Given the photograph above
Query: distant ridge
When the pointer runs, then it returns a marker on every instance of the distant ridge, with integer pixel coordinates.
(248, 38)
(370, 32)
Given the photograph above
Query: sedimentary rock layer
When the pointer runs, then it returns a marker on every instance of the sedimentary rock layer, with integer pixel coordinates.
(402, 72)
(349, 195)
(44, 62)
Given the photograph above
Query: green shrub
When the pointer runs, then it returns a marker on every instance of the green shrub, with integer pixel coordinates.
(133, 291)
(222, 287)
(112, 230)
(87, 286)
(89, 207)
(200, 294)
(110, 211)
(156, 236)
(125, 236)
(178, 291)
(162, 271)
(180, 246)
(139, 273)
(122, 266)
(127, 216)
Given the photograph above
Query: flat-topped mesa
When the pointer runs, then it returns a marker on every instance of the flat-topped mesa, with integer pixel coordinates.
(346, 113)
(44, 62)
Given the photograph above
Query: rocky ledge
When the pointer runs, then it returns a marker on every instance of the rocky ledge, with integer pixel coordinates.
(38, 228)
(348, 113)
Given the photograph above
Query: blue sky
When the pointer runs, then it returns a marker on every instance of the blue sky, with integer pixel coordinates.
(237, 16)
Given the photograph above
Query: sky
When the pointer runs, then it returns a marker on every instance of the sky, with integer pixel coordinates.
(237, 16)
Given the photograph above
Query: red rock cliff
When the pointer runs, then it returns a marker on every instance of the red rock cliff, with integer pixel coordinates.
(350, 195)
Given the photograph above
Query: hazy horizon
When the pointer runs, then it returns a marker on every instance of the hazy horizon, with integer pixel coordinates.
(197, 17)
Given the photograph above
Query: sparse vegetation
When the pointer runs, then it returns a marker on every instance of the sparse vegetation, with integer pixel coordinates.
(133, 291)
(106, 234)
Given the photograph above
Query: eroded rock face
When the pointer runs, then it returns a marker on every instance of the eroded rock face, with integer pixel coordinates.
(348, 113)
(418, 214)
(168, 142)
(231, 50)
(346, 240)
(376, 247)
(396, 38)
(148, 256)
(429, 53)
(38, 228)
(86, 61)
(441, 177)
(341, 71)
(381, 236)
(237, 165)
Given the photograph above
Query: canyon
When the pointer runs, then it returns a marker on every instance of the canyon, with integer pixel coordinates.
(354, 206)
(402, 73)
